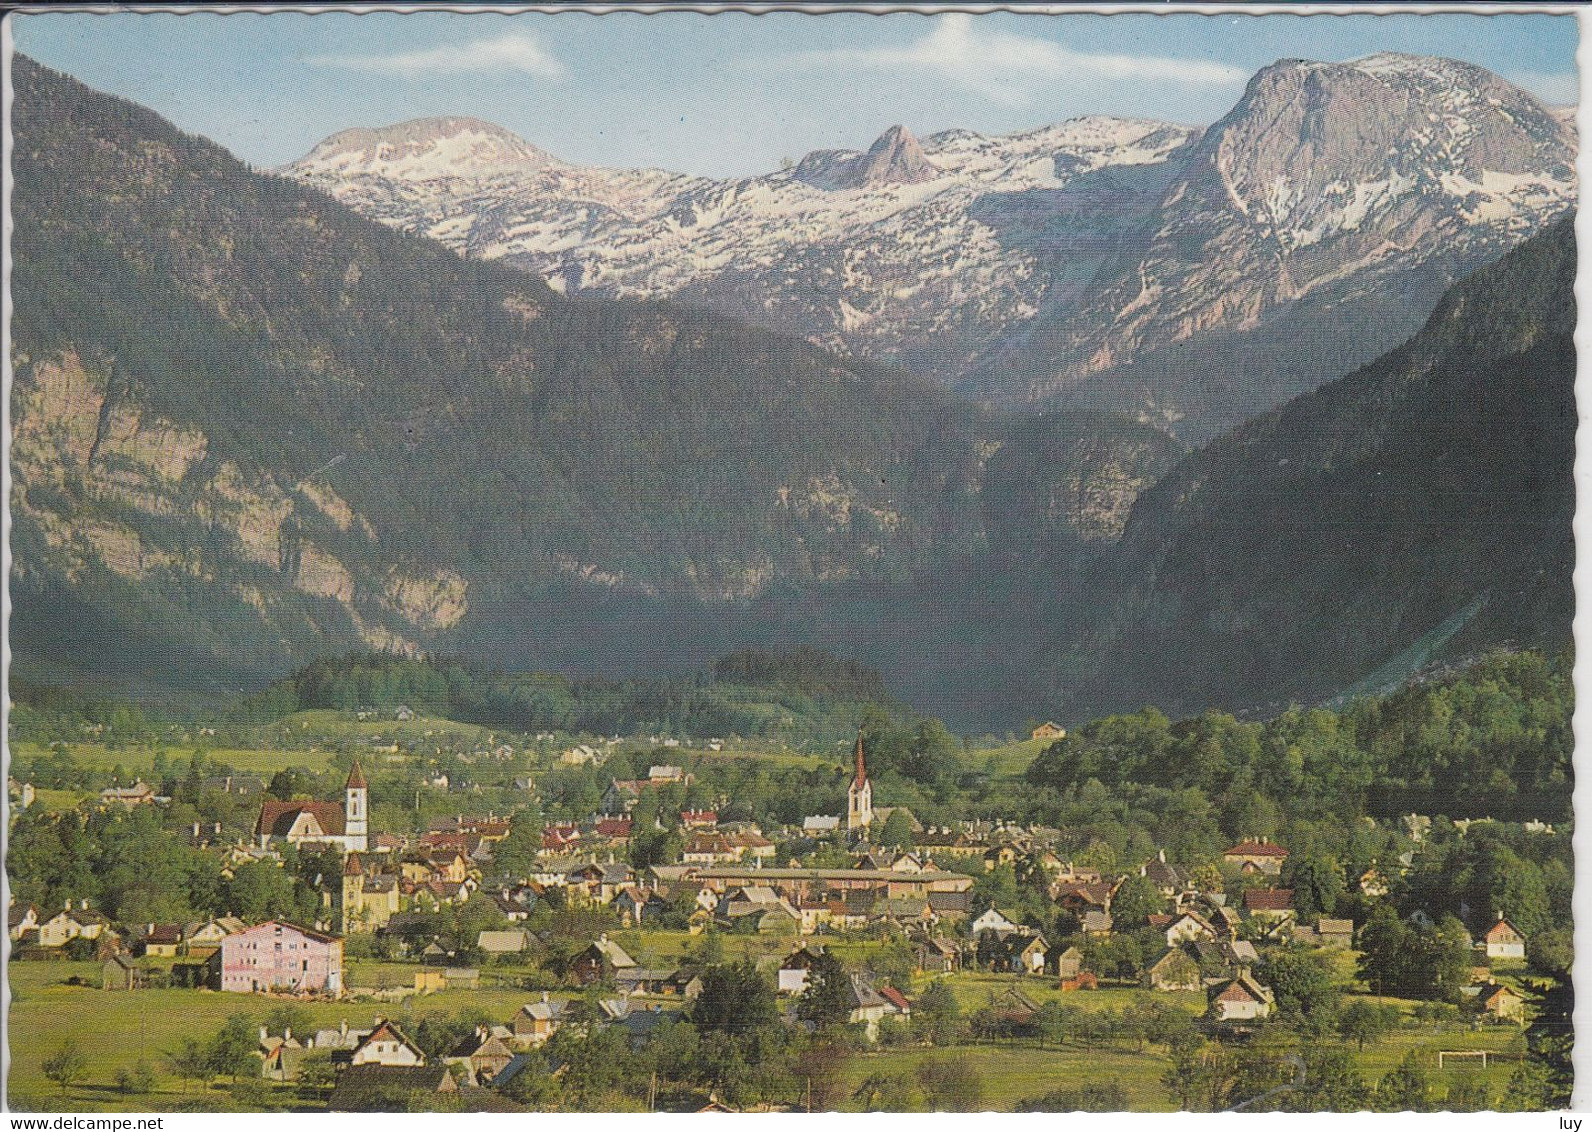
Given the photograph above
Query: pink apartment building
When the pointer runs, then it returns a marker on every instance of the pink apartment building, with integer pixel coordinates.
(278, 956)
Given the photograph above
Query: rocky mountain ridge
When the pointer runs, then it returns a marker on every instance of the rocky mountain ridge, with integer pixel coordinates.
(1102, 263)
(921, 254)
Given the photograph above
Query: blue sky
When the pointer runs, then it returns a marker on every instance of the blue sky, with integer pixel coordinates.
(733, 93)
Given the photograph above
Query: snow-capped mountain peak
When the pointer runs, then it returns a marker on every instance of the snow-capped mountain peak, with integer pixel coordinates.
(1028, 264)
(425, 149)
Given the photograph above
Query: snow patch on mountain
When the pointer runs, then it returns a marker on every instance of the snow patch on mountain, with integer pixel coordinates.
(1023, 265)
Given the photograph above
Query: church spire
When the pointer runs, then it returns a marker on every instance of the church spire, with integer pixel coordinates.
(859, 797)
(356, 778)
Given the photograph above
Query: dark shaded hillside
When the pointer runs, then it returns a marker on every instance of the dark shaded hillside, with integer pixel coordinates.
(251, 426)
(1294, 556)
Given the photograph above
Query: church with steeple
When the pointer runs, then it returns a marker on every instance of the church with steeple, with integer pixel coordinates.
(859, 796)
(344, 825)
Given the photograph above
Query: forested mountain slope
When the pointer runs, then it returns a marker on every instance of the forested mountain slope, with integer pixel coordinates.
(1294, 556)
(251, 425)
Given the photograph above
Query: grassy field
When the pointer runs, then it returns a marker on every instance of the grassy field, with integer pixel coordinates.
(1011, 1074)
(1010, 759)
(1384, 1055)
(118, 1029)
(141, 760)
(975, 989)
(51, 801)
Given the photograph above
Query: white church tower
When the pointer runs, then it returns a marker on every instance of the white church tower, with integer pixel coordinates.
(356, 810)
(859, 798)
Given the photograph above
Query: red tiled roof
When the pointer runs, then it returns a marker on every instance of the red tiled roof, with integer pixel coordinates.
(1256, 849)
(1098, 894)
(708, 843)
(895, 998)
(1268, 899)
(445, 841)
(1503, 930)
(614, 827)
(276, 818)
(558, 836)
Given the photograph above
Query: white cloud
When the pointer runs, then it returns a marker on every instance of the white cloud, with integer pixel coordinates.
(513, 52)
(1005, 67)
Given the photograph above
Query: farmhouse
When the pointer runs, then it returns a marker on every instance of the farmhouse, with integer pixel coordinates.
(1188, 928)
(1262, 856)
(537, 1021)
(138, 794)
(1504, 941)
(483, 1054)
(603, 957)
(1269, 904)
(1240, 999)
(1175, 970)
(1503, 1004)
(796, 967)
(868, 1006)
(385, 1045)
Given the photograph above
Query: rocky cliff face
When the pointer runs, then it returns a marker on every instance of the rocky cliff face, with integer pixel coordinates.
(1189, 277)
(895, 159)
(252, 426)
(1311, 229)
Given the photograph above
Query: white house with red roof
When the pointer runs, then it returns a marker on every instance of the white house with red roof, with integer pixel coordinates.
(1240, 999)
(1504, 941)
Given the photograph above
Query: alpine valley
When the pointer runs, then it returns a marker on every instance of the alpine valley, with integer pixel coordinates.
(1016, 420)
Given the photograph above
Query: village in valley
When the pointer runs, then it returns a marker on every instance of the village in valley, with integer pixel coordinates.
(389, 911)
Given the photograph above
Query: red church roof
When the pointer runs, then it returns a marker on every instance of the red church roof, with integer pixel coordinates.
(277, 818)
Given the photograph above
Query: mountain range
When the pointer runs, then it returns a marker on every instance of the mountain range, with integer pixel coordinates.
(1190, 277)
(252, 426)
